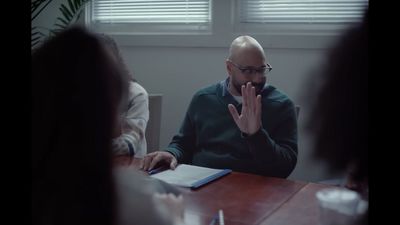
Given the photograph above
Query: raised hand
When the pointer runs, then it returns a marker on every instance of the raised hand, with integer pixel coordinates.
(249, 120)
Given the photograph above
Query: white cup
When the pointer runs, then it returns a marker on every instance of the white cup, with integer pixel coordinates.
(337, 206)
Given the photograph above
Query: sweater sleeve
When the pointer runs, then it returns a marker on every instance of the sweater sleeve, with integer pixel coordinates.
(132, 140)
(276, 153)
(182, 145)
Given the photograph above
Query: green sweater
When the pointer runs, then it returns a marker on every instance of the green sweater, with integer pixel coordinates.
(209, 136)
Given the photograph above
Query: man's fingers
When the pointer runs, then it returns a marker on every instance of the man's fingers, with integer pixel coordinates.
(173, 163)
(258, 106)
(244, 96)
(155, 160)
(248, 96)
(234, 113)
(146, 161)
(252, 98)
(142, 163)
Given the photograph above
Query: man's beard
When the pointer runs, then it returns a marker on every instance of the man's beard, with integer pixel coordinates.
(258, 86)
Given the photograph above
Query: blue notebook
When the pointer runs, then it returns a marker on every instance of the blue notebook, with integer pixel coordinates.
(190, 176)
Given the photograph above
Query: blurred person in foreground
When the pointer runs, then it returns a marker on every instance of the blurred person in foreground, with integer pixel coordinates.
(130, 138)
(77, 91)
(339, 118)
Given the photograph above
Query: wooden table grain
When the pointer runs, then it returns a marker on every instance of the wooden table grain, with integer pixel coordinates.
(249, 199)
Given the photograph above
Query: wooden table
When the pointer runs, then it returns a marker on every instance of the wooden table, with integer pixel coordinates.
(250, 199)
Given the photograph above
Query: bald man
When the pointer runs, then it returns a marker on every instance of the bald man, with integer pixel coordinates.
(241, 123)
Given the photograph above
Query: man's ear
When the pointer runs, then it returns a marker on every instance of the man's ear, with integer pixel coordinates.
(228, 67)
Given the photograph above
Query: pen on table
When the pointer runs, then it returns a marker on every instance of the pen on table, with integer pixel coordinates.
(214, 219)
(218, 217)
(221, 217)
(157, 170)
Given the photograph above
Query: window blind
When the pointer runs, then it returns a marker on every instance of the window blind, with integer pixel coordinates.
(164, 11)
(301, 11)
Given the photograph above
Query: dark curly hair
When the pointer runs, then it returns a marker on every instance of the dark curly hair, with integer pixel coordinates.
(76, 90)
(110, 43)
(339, 119)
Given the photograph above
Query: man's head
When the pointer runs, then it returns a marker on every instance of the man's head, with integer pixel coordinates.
(246, 63)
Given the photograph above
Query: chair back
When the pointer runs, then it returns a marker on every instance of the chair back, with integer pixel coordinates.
(297, 111)
(154, 123)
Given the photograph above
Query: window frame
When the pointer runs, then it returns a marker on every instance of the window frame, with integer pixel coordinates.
(290, 28)
(223, 29)
(152, 28)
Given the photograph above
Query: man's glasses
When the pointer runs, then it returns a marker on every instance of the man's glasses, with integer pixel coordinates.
(264, 70)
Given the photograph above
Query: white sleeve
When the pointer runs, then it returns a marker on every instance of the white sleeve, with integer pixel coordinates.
(132, 140)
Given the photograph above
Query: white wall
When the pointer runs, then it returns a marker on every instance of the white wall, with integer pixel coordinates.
(178, 72)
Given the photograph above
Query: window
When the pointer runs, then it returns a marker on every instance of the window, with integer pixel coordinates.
(207, 23)
(165, 16)
(298, 15)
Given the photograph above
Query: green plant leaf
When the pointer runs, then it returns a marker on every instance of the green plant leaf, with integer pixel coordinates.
(70, 13)
(79, 15)
(64, 24)
(33, 44)
(37, 33)
(70, 17)
(35, 38)
(71, 7)
(66, 13)
(77, 4)
(36, 5)
(55, 31)
(81, 3)
(63, 21)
